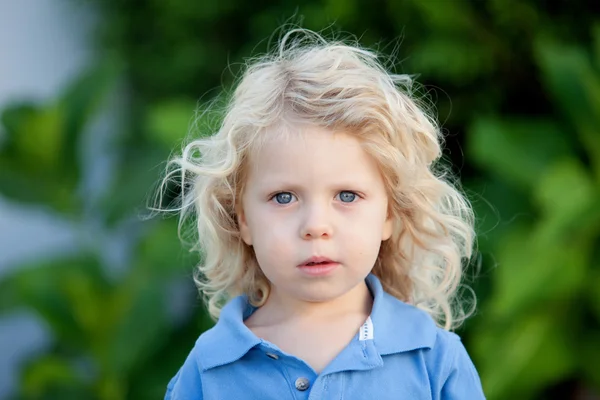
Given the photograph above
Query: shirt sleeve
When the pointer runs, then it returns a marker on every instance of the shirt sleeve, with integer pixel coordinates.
(463, 381)
(187, 383)
(169, 394)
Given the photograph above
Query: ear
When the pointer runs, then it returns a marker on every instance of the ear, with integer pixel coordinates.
(243, 225)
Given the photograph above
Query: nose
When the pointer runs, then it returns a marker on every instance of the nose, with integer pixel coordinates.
(316, 224)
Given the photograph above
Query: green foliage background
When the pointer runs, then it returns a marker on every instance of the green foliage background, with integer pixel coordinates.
(516, 85)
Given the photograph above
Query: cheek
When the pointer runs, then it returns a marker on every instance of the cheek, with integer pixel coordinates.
(273, 252)
(365, 235)
(271, 237)
(369, 221)
(268, 227)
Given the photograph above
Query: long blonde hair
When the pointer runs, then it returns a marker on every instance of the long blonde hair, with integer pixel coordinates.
(333, 85)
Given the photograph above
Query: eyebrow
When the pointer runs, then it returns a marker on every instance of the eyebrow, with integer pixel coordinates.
(288, 185)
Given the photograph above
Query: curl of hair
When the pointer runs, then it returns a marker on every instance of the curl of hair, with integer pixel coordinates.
(337, 86)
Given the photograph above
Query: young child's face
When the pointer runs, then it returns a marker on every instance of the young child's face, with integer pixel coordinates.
(314, 193)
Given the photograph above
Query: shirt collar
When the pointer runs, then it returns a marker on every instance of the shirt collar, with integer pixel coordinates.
(397, 327)
(230, 338)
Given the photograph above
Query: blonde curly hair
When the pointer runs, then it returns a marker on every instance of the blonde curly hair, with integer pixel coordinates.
(333, 85)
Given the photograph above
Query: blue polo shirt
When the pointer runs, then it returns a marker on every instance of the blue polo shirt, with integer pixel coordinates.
(399, 353)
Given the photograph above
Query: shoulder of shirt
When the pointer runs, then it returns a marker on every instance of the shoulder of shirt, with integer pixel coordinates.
(447, 341)
(207, 343)
(444, 356)
(400, 327)
(227, 340)
(451, 367)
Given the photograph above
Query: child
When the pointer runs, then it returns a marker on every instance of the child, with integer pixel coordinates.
(331, 247)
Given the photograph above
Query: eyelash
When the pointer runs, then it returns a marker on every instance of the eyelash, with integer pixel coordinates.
(273, 197)
(358, 196)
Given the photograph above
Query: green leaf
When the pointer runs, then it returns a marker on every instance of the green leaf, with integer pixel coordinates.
(81, 101)
(162, 254)
(137, 176)
(588, 348)
(166, 358)
(517, 150)
(593, 294)
(51, 374)
(170, 121)
(142, 326)
(469, 60)
(34, 134)
(59, 194)
(596, 44)
(497, 205)
(39, 159)
(589, 354)
(518, 357)
(344, 10)
(141, 299)
(564, 189)
(575, 86)
(448, 16)
(515, 18)
(67, 294)
(529, 262)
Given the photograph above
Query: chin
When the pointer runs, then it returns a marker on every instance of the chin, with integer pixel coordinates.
(320, 296)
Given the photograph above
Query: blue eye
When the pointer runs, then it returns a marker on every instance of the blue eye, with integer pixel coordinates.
(284, 197)
(347, 197)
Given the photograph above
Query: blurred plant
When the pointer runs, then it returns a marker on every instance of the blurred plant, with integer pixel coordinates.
(106, 328)
(540, 324)
(39, 155)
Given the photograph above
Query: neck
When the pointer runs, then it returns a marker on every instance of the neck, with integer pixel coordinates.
(281, 308)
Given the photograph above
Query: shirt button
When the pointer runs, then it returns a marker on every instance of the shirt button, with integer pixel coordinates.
(273, 356)
(302, 384)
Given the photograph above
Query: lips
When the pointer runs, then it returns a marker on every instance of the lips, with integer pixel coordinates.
(314, 261)
(318, 266)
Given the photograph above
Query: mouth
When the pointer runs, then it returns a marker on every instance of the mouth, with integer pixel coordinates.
(317, 266)
(315, 261)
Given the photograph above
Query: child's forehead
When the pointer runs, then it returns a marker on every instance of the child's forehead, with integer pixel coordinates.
(313, 150)
(304, 138)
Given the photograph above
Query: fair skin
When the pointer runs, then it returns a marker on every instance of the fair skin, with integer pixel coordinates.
(314, 195)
